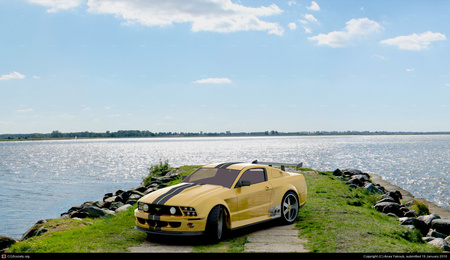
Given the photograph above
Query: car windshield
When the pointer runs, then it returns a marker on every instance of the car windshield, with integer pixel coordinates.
(214, 176)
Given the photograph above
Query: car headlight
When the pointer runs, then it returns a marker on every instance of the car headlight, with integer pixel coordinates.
(173, 210)
(145, 207)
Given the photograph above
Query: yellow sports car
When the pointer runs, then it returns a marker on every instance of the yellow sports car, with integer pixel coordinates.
(220, 197)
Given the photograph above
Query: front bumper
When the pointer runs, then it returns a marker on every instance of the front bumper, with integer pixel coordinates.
(169, 225)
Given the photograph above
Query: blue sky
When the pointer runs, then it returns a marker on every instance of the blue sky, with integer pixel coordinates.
(221, 65)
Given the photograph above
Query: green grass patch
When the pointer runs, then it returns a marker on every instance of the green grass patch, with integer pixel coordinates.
(109, 234)
(337, 218)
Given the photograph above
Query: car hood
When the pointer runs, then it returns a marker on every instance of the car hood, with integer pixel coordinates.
(183, 194)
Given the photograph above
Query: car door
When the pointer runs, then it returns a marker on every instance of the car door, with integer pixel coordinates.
(254, 200)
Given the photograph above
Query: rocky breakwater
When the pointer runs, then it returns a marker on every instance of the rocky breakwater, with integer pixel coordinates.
(111, 204)
(434, 229)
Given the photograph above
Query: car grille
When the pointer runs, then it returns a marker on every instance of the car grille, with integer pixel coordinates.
(159, 210)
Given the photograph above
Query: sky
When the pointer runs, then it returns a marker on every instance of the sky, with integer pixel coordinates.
(222, 65)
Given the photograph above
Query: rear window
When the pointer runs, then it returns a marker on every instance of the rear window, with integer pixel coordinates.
(214, 176)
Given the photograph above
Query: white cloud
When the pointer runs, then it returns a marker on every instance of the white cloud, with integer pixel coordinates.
(25, 110)
(12, 75)
(310, 18)
(205, 15)
(354, 29)
(314, 6)
(415, 42)
(292, 26)
(410, 70)
(307, 29)
(213, 81)
(56, 5)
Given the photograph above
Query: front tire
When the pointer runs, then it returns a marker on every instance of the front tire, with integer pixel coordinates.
(215, 225)
(289, 207)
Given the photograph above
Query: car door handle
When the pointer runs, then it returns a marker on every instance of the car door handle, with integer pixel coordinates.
(268, 188)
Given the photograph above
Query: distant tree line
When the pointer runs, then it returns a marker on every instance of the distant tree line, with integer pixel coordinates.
(138, 133)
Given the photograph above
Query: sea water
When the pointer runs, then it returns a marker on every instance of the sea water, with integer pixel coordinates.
(42, 179)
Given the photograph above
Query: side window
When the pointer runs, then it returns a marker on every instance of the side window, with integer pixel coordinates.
(254, 176)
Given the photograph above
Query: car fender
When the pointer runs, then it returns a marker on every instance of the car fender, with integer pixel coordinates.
(206, 206)
(297, 185)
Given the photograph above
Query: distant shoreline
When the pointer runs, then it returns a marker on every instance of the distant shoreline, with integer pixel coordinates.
(56, 135)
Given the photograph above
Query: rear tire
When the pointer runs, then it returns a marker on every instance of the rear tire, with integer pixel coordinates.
(215, 225)
(289, 207)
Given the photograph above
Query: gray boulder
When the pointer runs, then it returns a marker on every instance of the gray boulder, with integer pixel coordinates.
(441, 226)
(434, 233)
(36, 230)
(337, 172)
(95, 212)
(123, 208)
(441, 243)
(372, 188)
(428, 218)
(351, 172)
(5, 242)
(418, 224)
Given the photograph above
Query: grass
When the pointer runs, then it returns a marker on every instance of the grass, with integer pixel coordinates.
(110, 234)
(335, 218)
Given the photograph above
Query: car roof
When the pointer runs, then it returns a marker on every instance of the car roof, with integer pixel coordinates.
(230, 165)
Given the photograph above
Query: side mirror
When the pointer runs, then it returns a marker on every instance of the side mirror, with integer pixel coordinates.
(245, 183)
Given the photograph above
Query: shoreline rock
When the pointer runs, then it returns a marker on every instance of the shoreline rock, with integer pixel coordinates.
(434, 229)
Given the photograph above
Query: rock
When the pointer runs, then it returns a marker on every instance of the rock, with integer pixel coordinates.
(110, 199)
(337, 172)
(428, 218)
(150, 190)
(107, 195)
(123, 208)
(434, 233)
(136, 192)
(351, 172)
(5, 242)
(381, 205)
(123, 197)
(118, 192)
(133, 199)
(100, 204)
(36, 230)
(96, 212)
(79, 214)
(441, 225)
(396, 195)
(372, 189)
(116, 205)
(355, 181)
(428, 239)
(362, 177)
(392, 208)
(411, 213)
(387, 199)
(418, 224)
(441, 243)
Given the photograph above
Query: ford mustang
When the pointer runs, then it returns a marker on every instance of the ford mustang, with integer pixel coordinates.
(221, 197)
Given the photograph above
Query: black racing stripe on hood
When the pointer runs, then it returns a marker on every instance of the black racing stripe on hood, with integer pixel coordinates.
(172, 192)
